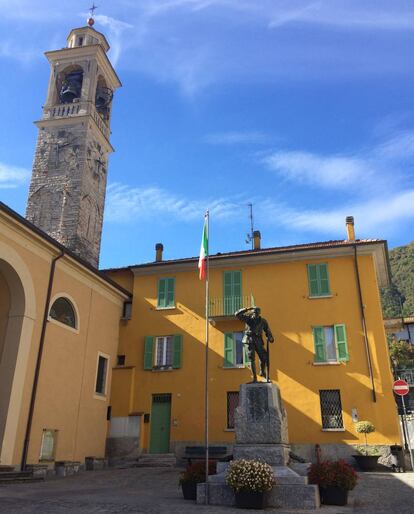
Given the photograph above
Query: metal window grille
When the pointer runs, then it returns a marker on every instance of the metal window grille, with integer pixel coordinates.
(331, 408)
(232, 403)
(161, 398)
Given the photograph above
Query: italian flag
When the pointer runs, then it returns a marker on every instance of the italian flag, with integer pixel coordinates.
(202, 261)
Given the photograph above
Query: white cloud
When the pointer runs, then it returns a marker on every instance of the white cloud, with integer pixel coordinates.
(126, 204)
(232, 138)
(12, 176)
(116, 29)
(325, 171)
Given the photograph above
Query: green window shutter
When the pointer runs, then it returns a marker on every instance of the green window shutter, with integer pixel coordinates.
(237, 291)
(162, 292)
(319, 342)
(232, 291)
(313, 280)
(177, 351)
(148, 352)
(323, 279)
(341, 343)
(228, 350)
(170, 297)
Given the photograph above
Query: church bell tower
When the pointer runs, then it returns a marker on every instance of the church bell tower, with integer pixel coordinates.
(67, 189)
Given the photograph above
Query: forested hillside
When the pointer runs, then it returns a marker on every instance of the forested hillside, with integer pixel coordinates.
(399, 298)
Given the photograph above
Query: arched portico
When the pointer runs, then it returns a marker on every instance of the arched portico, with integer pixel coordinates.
(17, 315)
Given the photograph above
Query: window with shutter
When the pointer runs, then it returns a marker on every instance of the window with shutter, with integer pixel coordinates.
(235, 352)
(232, 289)
(330, 344)
(166, 293)
(163, 352)
(318, 279)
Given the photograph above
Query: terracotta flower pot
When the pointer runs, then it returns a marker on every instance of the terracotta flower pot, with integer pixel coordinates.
(332, 495)
(250, 500)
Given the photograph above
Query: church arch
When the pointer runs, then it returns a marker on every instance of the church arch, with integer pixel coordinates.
(17, 315)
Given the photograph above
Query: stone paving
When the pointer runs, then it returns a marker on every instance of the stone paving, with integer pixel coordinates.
(155, 491)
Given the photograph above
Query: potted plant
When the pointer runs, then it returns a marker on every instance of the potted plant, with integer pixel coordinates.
(250, 479)
(193, 475)
(335, 479)
(367, 457)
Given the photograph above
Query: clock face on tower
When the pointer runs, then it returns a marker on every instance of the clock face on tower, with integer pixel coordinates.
(96, 159)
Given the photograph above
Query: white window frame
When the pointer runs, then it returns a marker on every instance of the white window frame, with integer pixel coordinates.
(96, 395)
(164, 340)
(70, 299)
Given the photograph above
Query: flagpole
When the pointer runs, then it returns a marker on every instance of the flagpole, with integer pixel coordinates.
(206, 359)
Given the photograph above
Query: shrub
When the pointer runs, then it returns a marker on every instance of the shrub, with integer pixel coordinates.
(333, 473)
(365, 427)
(197, 472)
(250, 475)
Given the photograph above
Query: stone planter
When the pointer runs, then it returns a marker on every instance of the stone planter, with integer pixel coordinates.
(250, 500)
(332, 495)
(366, 462)
(189, 490)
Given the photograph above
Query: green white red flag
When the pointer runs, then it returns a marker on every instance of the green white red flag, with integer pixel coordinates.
(202, 261)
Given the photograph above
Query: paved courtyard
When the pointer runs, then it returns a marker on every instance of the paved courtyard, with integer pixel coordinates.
(155, 490)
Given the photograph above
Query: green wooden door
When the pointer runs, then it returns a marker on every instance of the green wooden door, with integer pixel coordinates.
(160, 423)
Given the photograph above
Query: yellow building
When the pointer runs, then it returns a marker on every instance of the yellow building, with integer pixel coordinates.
(329, 358)
(59, 320)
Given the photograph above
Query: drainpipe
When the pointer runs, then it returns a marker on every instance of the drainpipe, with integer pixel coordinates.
(364, 323)
(38, 362)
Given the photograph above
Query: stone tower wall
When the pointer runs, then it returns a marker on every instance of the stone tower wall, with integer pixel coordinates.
(67, 190)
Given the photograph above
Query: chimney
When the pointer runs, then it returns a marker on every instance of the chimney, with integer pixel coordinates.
(158, 252)
(350, 228)
(256, 240)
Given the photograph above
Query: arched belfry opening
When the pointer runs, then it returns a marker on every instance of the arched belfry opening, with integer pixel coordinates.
(69, 85)
(12, 312)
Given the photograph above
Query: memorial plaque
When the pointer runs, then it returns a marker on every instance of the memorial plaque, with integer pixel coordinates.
(257, 404)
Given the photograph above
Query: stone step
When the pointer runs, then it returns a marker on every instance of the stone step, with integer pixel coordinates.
(6, 469)
(157, 460)
(15, 474)
(19, 479)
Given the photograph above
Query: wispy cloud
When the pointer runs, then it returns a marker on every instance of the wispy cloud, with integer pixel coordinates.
(234, 138)
(116, 29)
(384, 166)
(12, 176)
(126, 204)
(324, 171)
(378, 217)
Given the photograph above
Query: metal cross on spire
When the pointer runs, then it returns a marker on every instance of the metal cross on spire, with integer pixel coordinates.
(92, 9)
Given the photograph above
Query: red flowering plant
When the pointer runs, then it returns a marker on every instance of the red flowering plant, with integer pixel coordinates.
(197, 472)
(333, 473)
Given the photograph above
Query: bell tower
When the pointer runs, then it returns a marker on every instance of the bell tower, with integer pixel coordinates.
(67, 189)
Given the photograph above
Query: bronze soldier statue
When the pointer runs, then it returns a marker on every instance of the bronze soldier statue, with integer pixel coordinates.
(255, 326)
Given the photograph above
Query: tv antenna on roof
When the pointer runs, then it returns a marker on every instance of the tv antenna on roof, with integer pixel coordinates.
(249, 239)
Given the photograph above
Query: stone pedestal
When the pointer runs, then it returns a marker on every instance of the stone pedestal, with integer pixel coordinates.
(262, 434)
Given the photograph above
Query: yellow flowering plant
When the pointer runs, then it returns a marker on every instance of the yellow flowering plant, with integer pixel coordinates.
(250, 475)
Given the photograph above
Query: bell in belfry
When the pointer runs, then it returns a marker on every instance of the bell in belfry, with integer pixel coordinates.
(71, 87)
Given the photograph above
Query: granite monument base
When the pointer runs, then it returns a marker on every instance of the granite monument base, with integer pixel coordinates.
(261, 434)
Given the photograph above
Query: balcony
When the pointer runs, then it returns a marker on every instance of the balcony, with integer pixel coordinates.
(223, 308)
(407, 375)
(76, 109)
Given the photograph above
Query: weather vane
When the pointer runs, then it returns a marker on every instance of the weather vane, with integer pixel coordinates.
(92, 9)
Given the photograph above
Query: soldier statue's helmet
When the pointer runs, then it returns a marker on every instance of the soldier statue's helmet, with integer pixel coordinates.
(257, 311)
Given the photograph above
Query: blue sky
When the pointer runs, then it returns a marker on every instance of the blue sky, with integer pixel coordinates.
(304, 108)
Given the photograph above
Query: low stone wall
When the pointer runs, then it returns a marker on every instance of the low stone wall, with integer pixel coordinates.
(122, 448)
(65, 468)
